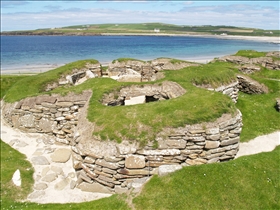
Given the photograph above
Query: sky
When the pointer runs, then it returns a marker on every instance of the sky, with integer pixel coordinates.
(29, 15)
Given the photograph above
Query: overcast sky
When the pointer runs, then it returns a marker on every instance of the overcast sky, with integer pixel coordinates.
(26, 15)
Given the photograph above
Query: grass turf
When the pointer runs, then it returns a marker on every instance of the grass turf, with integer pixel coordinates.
(250, 182)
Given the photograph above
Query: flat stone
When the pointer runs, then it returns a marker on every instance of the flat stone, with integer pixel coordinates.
(62, 184)
(135, 161)
(134, 172)
(36, 194)
(72, 184)
(40, 186)
(212, 144)
(40, 160)
(160, 152)
(49, 177)
(94, 187)
(230, 141)
(21, 144)
(57, 170)
(104, 163)
(120, 190)
(166, 169)
(61, 155)
(64, 104)
(176, 144)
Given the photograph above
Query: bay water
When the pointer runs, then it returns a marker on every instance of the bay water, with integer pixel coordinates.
(23, 52)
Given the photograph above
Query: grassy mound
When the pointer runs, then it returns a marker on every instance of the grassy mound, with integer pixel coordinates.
(250, 182)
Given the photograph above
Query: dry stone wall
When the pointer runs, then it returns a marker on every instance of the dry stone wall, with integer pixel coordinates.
(231, 90)
(125, 164)
(54, 115)
(112, 167)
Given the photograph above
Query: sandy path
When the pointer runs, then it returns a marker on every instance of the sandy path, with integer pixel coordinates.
(58, 190)
(265, 143)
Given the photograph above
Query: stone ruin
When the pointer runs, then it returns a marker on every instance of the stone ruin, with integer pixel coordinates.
(251, 65)
(138, 94)
(120, 167)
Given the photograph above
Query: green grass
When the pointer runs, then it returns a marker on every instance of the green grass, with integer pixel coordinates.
(147, 28)
(35, 85)
(11, 196)
(7, 81)
(126, 60)
(250, 182)
(250, 53)
(259, 112)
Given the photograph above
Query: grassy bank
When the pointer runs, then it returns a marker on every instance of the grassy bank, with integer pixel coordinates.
(250, 182)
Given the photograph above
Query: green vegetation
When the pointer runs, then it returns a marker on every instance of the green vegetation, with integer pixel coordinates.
(259, 112)
(126, 60)
(213, 74)
(147, 28)
(11, 195)
(250, 53)
(34, 85)
(250, 182)
(7, 81)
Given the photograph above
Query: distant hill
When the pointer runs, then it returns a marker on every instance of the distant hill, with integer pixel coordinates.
(146, 28)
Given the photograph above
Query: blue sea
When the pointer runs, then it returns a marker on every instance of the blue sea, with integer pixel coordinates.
(38, 51)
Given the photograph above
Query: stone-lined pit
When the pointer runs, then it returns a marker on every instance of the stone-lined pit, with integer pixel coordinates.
(139, 94)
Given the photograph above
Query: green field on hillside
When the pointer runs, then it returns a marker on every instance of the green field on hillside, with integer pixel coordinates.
(147, 28)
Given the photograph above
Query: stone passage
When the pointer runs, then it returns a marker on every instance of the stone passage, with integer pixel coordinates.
(138, 94)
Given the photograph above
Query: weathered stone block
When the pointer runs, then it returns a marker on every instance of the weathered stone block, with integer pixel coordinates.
(27, 121)
(160, 152)
(166, 169)
(104, 163)
(176, 144)
(61, 155)
(214, 137)
(135, 161)
(230, 141)
(212, 144)
(94, 187)
(212, 131)
(64, 104)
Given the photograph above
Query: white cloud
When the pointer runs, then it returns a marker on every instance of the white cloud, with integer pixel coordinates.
(235, 14)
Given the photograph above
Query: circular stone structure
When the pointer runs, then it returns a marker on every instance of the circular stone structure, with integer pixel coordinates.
(138, 94)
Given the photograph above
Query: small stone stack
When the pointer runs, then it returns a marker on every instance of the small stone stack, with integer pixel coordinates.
(54, 115)
(231, 90)
(250, 86)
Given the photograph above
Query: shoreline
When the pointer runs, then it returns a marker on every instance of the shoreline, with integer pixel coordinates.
(274, 39)
(270, 39)
(35, 69)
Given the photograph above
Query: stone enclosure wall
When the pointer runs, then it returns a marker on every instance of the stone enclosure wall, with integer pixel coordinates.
(125, 165)
(120, 167)
(54, 115)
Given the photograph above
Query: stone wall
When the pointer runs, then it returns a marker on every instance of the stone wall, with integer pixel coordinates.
(120, 166)
(137, 94)
(77, 76)
(54, 115)
(140, 71)
(267, 62)
(250, 86)
(231, 90)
